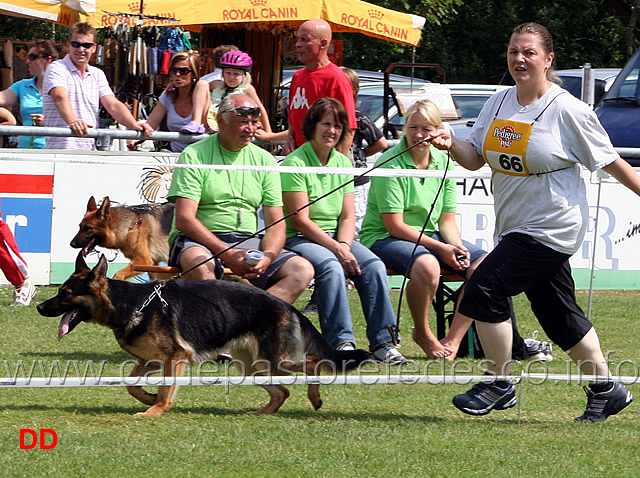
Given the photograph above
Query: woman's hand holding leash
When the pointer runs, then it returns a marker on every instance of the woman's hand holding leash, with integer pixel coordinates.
(441, 138)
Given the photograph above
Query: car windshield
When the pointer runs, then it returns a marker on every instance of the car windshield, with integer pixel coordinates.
(470, 106)
(627, 86)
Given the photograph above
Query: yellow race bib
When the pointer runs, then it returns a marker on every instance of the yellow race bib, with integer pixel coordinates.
(505, 147)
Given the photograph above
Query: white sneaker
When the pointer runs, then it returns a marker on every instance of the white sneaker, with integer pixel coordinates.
(346, 346)
(389, 354)
(538, 349)
(23, 294)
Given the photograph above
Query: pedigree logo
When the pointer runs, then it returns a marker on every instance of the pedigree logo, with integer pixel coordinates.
(29, 438)
(506, 135)
(259, 11)
(375, 24)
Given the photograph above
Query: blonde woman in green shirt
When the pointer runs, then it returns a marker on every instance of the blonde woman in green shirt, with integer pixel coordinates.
(396, 212)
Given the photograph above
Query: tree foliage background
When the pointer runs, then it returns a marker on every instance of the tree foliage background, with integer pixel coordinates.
(469, 37)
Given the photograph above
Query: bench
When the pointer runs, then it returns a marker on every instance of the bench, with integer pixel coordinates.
(444, 302)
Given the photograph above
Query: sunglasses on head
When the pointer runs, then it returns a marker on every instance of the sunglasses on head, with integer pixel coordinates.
(35, 56)
(180, 71)
(86, 45)
(245, 111)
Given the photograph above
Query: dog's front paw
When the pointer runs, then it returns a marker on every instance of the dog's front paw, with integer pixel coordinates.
(154, 411)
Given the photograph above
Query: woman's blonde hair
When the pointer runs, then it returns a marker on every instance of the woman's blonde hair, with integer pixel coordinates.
(426, 108)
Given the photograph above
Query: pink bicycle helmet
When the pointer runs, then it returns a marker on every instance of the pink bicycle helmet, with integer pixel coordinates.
(236, 59)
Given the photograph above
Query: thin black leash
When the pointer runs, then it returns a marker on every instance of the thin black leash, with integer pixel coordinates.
(301, 208)
(159, 286)
(395, 330)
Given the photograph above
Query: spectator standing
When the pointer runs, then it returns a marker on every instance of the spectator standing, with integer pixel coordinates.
(319, 78)
(14, 266)
(74, 90)
(27, 93)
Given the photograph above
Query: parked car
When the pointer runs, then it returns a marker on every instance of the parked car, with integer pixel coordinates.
(468, 98)
(603, 78)
(619, 109)
(471, 98)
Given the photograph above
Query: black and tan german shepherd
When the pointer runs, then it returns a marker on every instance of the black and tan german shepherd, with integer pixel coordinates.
(194, 322)
(141, 232)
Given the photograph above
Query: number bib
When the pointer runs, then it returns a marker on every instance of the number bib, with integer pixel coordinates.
(505, 147)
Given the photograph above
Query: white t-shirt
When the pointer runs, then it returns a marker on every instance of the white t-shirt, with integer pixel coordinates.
(215, 75)
(551, 207)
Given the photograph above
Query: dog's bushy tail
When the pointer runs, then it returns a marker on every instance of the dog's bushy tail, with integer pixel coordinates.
(334, 360)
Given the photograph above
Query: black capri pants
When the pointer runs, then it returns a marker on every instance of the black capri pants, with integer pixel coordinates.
(519, 263)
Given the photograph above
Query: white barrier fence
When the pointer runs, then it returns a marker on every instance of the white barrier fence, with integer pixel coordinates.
(257, 380)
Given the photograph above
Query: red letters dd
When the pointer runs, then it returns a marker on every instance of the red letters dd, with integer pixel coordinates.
(34, 438)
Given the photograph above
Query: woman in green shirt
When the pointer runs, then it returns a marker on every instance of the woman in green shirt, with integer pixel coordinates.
(323, 234)
(396, 212)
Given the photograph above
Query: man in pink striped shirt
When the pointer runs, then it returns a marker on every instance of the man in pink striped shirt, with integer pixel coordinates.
(73, 91)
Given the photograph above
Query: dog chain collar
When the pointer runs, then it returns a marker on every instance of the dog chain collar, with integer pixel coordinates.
(156, 291)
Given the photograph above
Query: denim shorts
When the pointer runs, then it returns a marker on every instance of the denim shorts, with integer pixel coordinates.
(181, 243)
(395, 253)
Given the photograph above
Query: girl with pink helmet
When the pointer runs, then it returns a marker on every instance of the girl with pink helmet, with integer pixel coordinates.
(235, 66)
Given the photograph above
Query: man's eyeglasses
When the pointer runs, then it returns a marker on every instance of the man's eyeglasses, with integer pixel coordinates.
(35, 56)
(244, 111)
(86, 45)
(180, 71)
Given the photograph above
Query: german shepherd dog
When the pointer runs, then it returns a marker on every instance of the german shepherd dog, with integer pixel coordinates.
(141, 232)
(195, 321)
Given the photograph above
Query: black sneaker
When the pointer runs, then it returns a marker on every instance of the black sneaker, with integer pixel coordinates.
(602, 404)
(484, 397)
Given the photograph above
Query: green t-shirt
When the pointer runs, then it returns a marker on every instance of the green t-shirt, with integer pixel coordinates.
(408, 195)
(324, 213)
(228, 201)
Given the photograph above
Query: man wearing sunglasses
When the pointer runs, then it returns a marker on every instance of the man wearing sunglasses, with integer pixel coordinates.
(217, 208)
(74, 90)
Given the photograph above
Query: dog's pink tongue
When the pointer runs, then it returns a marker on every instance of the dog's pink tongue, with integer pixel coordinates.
(63, 328)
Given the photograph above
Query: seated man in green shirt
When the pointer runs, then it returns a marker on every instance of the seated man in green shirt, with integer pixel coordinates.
(217, 208)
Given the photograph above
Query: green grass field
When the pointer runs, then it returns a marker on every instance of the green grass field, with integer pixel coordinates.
(375, 431)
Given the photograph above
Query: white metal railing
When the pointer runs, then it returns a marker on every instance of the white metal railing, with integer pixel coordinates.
(104, 137)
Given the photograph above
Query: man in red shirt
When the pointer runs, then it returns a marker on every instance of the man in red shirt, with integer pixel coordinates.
(319, 78)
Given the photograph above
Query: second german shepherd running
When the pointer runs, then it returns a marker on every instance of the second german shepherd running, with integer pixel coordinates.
(194, 322)
(141, 232)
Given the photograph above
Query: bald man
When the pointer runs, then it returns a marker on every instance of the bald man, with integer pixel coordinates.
(319, 78)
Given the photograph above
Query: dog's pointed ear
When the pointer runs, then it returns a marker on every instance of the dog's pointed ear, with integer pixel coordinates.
(91, 205)
(100, 270)
(81, 265)
(105, 207)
